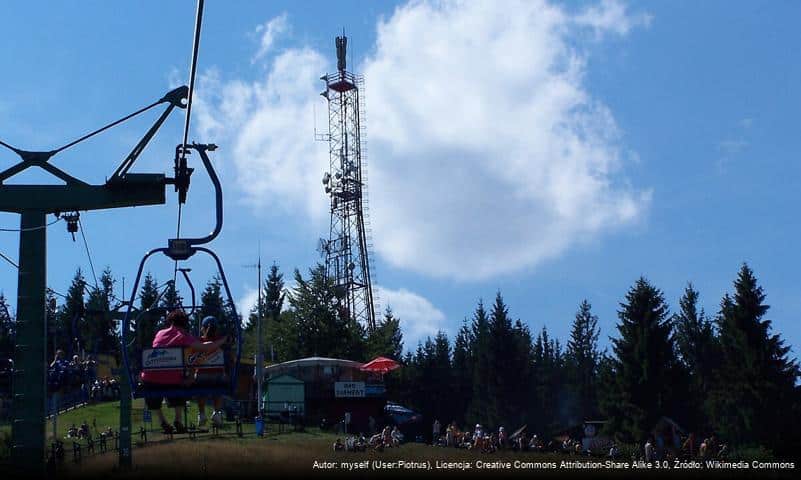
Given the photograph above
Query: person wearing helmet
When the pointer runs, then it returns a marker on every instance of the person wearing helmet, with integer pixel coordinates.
(209, 332)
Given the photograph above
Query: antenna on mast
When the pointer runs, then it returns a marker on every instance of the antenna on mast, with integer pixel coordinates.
(342, 47)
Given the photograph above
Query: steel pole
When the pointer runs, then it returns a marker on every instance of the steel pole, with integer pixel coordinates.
(29, 385)
(125, 453)
(260, 354)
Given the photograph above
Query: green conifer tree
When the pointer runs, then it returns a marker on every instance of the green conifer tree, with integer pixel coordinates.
(755, 390)
(645, 364)
(581, 360)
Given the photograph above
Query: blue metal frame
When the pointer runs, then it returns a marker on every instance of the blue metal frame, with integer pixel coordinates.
(181, 391)
(183, 249)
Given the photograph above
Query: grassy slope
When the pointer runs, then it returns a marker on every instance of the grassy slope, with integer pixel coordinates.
(284, 453)
(229, 454)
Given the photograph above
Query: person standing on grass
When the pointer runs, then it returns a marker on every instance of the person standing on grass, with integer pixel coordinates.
(435, 431)
(650, 455)
(502, 438)
(175, 335)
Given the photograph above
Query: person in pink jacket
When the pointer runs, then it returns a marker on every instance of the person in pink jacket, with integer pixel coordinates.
(175, 335)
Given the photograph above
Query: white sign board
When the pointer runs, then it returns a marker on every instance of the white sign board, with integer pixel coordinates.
(215, 358)
(178, 357)
(349, 389)
(169, 357)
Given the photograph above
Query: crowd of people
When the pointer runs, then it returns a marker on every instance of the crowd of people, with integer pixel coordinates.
(660, 446)
(104, 389)
(79, 432)
(75, 381)
(69, 382)
(483, 440)
(70, 375)
(389, 437)
(684, 447)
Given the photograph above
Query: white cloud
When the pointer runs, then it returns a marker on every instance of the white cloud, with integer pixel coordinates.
(266, 129)
(268, 33)
(611, 16)
(488, 154)
(247, 301)
(419, 318)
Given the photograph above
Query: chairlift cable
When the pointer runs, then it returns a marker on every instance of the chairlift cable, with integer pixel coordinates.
(7, 259)
(158, 298)
(177, 235)
(59, 294)
(156, 288)
(192, 72)
(103, 129)
(31, 228)
(187, 119)
(92, 133)
(88, 253)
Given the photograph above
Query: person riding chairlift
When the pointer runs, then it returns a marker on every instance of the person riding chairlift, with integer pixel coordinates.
(175, 335)
(210, 333)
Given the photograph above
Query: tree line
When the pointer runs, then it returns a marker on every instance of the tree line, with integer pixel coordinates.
(727, 373)
(86, 319)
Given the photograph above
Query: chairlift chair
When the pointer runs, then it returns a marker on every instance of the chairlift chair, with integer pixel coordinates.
(137, 356)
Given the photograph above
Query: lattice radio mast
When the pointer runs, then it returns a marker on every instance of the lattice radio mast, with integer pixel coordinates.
(346, 250)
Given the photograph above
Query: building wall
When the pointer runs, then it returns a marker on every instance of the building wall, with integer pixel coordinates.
(321, 403)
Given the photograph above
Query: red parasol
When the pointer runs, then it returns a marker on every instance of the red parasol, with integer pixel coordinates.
(380, 365)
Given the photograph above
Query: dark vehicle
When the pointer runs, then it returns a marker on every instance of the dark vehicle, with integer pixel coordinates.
(407, 420)
(400, 415)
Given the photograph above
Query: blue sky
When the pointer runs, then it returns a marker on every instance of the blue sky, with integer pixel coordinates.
(552, 151)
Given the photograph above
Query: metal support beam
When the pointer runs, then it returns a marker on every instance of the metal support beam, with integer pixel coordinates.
(126, 407)
(134, 190)
(29, 385)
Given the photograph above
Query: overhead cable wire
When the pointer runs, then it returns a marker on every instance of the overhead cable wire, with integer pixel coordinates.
(92, 133)
(103, 129)
(188, 118)
(88, 253)
(56, 293)
(31, 228)
(7, 259)
(192, 71)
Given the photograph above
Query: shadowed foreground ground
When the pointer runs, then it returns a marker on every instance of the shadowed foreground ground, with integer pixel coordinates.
(295, 454)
